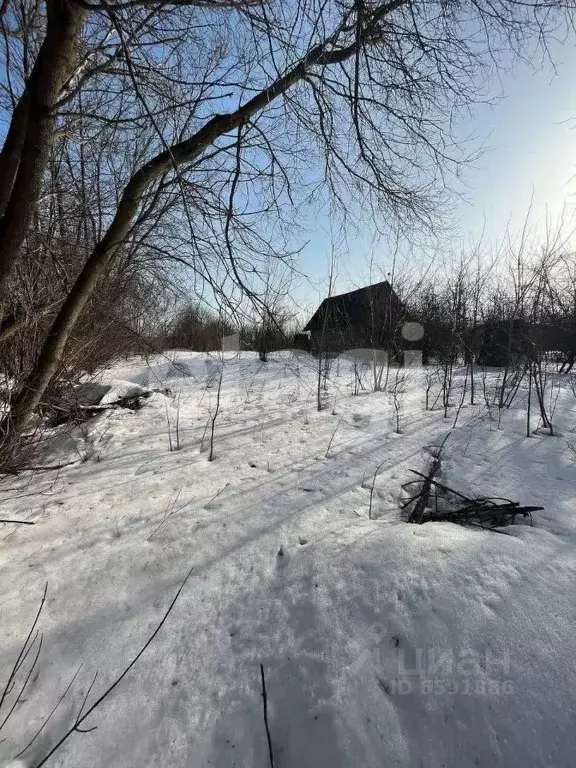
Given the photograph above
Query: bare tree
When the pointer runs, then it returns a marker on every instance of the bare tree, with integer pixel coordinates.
(269, 317)
(359, 90)
(214, 412)
(398, 391)
(326, 330)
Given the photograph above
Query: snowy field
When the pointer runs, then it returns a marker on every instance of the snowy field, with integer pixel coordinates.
(383, 643)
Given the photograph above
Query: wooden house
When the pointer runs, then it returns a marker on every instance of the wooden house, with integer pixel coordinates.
(367, 318)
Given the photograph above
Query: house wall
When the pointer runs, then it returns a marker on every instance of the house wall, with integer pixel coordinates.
(334, 341)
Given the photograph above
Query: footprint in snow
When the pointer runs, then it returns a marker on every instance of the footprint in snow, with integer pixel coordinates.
(281, 558)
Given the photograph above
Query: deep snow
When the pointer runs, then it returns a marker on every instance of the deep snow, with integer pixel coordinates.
(383, 644)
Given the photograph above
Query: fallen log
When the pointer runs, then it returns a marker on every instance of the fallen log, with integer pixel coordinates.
(422, 498)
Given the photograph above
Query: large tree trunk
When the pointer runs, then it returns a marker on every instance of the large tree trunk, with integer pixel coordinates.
(24, 404)
(12, 151)
(29, 139)
(324, 54)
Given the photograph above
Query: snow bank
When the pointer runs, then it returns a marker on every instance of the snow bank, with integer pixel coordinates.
(383, 644)
(120, 389)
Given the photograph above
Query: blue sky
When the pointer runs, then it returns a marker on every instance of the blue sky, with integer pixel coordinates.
(529, 138)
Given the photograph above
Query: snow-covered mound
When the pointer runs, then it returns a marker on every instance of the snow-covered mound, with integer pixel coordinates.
(120, 389)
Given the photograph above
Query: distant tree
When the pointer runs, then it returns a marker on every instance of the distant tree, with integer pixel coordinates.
(269, 317)
(351, 94)
(196, 328)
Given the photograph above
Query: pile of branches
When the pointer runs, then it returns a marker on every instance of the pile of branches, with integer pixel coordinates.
(436, 502)
(79, 408)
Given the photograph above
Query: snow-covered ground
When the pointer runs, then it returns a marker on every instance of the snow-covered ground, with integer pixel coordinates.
(383, 643)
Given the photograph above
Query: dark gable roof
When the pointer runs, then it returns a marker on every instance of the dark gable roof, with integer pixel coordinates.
(348, 308)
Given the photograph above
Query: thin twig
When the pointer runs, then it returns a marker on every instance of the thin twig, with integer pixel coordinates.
(215, 415)
(24, 650)
(332, 438)
(76, 727)
(443, 487)
(49, 467)
(26, 681)
(265, 706)
(45, 723)
(378, 468)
